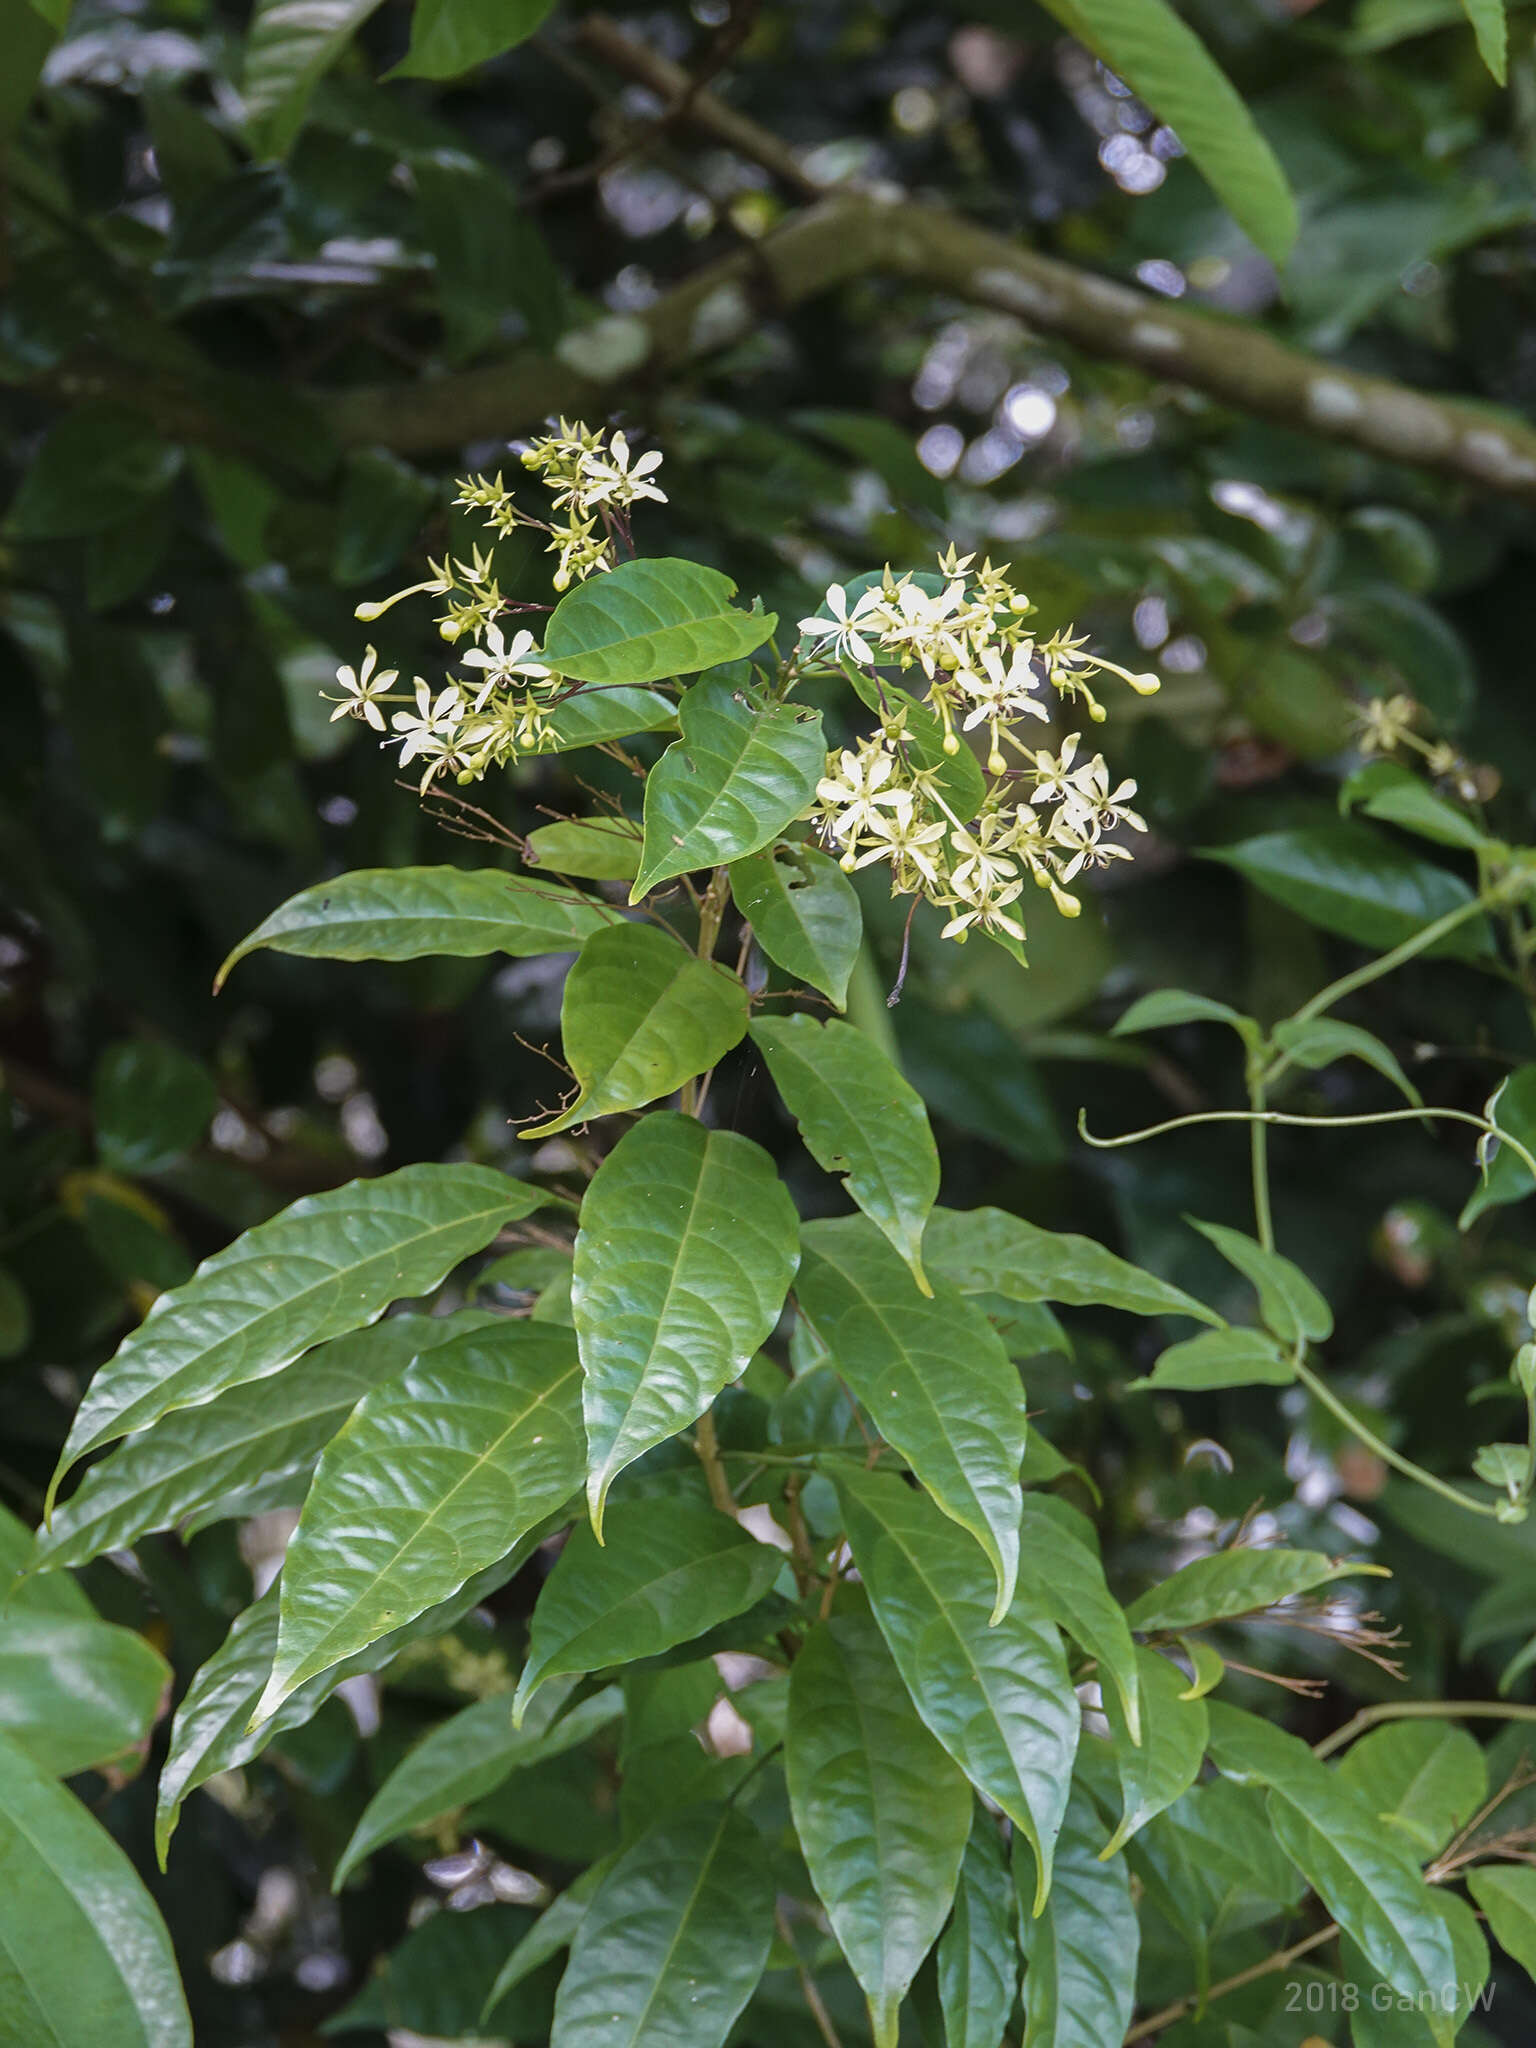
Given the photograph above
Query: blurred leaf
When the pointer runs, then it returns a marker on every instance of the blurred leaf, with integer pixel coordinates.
(434, 1984)
(97, 460)
(75, 1693)
(449, 37)
(28, 31)
(383, 504)
(489, 257)
(1427, 653)
(1491, 27)
(1388, 790)
(151, 1104)
(1508, 1897)
(883, 447)
(291, 44)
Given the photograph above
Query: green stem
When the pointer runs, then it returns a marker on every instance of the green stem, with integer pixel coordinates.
(1326, 1123)
(1421, 1710)
(707, 1445)
(1373, 970)
(1321, 1391)
(1258, 1147)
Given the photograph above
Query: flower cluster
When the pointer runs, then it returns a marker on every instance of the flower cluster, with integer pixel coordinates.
(1043, 816)
(1385, 725)
(471, 723)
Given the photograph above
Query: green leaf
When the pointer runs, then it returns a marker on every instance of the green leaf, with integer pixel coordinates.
(437, 1983)
(1360, 884)
(1233, 1582)
(1314, 1042)
(189, 1461)
(466, 1756)
(1369, 1882)
(1490, 25)
(675, 1940)
(1060, 1571)
(648, 619)
(151, 1103)
(881, 1812)
(1220, 1358)
(741, 771)
(1387, 790)
(213, 1729)
(328, 1264)
(932, 1374)
(673, 1569)
(589, 718)
(1163, 1007)
(1508, 1896)
(75, 1693)
(1165, 63)
(687, 1248)
(85, 1960)
(383, 506)
(859, 1118)
(291, 44)
(987, 1251)
(1426, 1778)
(957, 777)
(28, 32)
(488, 256)
(97, 463)
(1386, 2019)
(1080, 1952)
(1207, 1665)
(1166, 1762)
(1288, 1302)
(640, 1016)
(39, 1593)
(803, 913)
(416, 913)
(436, 1475)
(1506, 1178)
(997, 1694)
(450, 37)
(605, 848)
(554, 1930)
(978, 1954)
(879, 444)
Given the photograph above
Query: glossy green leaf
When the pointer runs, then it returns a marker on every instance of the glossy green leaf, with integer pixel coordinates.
(450, 37)
(1080, 1953)
(957, 777)
(997, 1695)
(1315, 1042)
(1425, 1778)
(328, 1264)
(151, 1103)
(1388, 2019)
(1166, 1762)
(881, 1812)
(687, 1248)
(1233, 1582)
(435, 1475)
(1508, 1896)
(416, 913)
(85, 1960)
(640, 1016)
(554, 1930)
(1164, 1007)
(187, 1463)
(1060, 1571)
(435, 1984)
(1207, 1666)
(1288, 1302)
(1220, 1358)
(933, 1376)
(803, 913)
(674, 1941)
(741, 770)
(75, 1693)
(1368, 1880)
(291, 44)
(978, 1957)
(859, 1118)
(1490, 25)
(1359, 883)
(987, 1251)
(590, 718)
(669, 1570)
(606, 849)
(1387, 790)
(648, 619)
(213, 1730)
(468, 1755)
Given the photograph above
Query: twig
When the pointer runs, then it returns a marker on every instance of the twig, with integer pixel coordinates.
(1181, 2006)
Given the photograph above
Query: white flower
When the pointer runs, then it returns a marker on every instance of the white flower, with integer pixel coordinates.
(614, 478)
(901, 839)
(433, 731)
(361, 689)
(855, 795)
(1055, 777)
(842, 627)
(502, 663)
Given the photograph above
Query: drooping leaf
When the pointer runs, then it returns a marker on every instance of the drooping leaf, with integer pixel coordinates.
(933, 1376)
(605, 848)
(1508, 1896)
(803, 913)
(987, 1251)
(1290, 1305)
(674, 1941)
(415, 913)
(1221, 1358)
(328, 1264)
(450, 37)
(740, 771)
(1369, 1881)
(1059, 1565)
(859, 1118)
(1233, 1582)
(687, 1248)
(640, 1016)
(84, 1956)
(978, 1957)
(1386, 789)
(466, 1756)
(1358, 883)
(435, 1475)
(1081, 1950)
(1425, 1778)
(1490, 25)
(74, 1693)
(881, 1812)
(648, 619)
(1316, 1042)
(151, 1103)
(290, 45)
(669, 1571)
(997, 1695)
(189, 1461)
(1166, 1762)
(1162, 1007)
